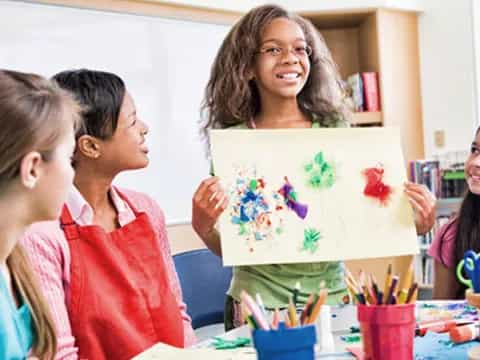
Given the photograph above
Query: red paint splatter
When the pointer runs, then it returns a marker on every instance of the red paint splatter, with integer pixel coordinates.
(375, 186)
(261, 183)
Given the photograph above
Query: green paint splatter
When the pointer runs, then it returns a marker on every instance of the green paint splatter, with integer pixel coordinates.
(319, 158)
(310, 239)
(253, 184)
(279, 230)
(242, 230)
(321, 174)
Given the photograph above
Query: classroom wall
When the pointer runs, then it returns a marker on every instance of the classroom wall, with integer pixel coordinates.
(448, 73)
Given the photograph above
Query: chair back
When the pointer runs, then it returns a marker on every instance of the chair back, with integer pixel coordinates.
(204, 283)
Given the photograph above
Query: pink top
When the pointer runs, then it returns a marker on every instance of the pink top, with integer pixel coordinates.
(49, 253)
(443, 245)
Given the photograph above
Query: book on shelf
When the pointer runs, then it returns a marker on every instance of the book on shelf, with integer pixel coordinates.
(356, 91)
(427, 172)
(364, 91)
(371, 97)
(453, 183)
(424, 271)
(443, 183)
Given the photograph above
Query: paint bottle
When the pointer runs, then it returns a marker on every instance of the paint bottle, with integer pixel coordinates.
(324, 329)
(461, 334)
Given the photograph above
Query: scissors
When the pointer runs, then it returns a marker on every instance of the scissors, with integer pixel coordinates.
(471, 265)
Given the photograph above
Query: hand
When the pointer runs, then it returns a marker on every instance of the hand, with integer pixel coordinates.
(423, 203)
(208, 203)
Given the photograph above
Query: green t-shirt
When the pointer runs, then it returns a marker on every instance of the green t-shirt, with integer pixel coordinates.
(275, 283)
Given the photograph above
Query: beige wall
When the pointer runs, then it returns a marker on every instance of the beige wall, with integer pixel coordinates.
(183, 238)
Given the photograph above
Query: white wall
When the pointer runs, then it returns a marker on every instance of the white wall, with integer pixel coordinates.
(476, 46)
(447, 66)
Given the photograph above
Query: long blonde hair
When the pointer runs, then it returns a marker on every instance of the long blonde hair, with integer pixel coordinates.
(34, 115)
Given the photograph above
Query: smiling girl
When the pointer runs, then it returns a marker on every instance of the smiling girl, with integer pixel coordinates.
(460, 234)
(274, 71)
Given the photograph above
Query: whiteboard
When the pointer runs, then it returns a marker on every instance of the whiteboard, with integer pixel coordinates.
(165, 64)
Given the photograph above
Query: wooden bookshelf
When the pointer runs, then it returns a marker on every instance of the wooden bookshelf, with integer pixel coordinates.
(386, 42)
(367, 118)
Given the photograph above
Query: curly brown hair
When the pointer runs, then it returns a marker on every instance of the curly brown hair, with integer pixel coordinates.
(232, 98)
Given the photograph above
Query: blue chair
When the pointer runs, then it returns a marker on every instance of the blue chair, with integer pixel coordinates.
(204, 283)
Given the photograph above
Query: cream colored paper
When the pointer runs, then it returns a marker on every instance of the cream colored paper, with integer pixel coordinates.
(166, 352)
(352, 226)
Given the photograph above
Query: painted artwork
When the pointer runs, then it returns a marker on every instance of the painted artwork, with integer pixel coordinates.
(307, 195)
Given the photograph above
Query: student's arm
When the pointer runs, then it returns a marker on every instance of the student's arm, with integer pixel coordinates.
(47, 256)
(442, 251)
(446, 285)
(424, 205)
(208, 203)
(158, 218)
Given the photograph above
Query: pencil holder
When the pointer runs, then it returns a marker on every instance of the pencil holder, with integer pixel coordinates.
(387, 331)
(285, 343)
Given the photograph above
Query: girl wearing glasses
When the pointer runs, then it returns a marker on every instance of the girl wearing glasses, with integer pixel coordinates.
(37, 122)
(272, 71)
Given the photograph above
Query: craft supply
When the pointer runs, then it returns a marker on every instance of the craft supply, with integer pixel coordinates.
(464, 333)
(387, 331)
(221, 344)
(406, 285)
(295, 343)
(349, 339)
(324, 329)
(388, 281)
(438, 326)
(471, 265)
(260, 320)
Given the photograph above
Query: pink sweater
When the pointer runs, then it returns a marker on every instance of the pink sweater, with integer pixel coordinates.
(49, 253)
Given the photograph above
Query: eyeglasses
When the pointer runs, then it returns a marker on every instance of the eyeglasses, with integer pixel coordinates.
(275, 51)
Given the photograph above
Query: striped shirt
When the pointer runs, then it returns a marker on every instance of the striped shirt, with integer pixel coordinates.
(49, 253)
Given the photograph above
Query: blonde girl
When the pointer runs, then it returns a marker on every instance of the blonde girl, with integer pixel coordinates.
(36, 142)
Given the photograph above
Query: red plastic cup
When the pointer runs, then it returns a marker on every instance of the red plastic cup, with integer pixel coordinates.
(387, 331)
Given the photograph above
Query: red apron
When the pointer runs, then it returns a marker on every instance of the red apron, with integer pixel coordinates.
(120, 299)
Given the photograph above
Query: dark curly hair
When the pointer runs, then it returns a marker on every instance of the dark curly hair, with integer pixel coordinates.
(231, 98)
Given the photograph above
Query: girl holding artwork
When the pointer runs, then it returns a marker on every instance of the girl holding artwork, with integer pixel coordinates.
(274, 71)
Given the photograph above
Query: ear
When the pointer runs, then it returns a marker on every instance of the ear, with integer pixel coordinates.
(89, 146)
(250, 74)
(31, 169)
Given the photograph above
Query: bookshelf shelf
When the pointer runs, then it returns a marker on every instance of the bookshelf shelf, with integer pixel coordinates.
(447, 206)
(367, 118)
(425, 286)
